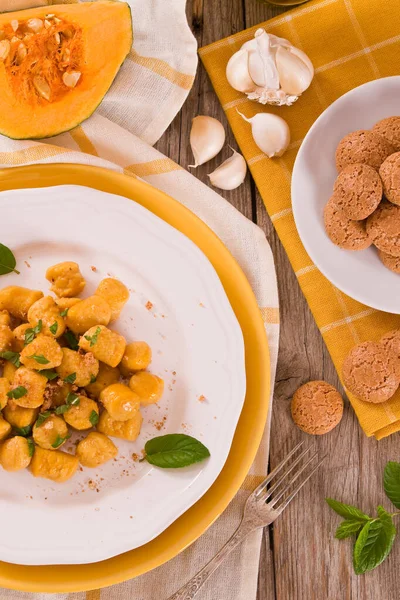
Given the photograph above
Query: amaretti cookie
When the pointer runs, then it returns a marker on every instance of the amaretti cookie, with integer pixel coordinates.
(390, 175)
(391, 342)
(358, 191)
(383, 228)
(391, 262)
(390, 129)
(317, 407)
(368, 373)
(362, 146)
(342, 231)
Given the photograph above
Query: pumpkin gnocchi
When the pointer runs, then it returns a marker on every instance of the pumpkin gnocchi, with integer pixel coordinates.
(63, 370)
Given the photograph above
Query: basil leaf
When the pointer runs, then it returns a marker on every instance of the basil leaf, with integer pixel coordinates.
(42, 360)
(174, 451)
(64, 312)
(93, 379)
(72, 399)
(7, 261)
(59, 440)
(70, 378)
(32, 332)
(53, 328)
(94, 418)
(71, 340)
(42, 417)
(60, 410)
(17, 392)
(347, 511)
(374, 542)
(13, 357)
(31, 446)
(391, 482)
(23, 431)
(93, 338)
(348, 528)
(49, 373)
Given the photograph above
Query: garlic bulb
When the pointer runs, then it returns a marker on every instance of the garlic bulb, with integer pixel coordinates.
(230, 174)
(270, 132)
(270, 70)
(207, 137)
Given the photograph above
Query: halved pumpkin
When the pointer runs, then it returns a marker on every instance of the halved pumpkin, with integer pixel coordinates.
(57, 63)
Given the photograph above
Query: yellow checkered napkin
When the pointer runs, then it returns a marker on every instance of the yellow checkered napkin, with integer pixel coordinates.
(349, 42)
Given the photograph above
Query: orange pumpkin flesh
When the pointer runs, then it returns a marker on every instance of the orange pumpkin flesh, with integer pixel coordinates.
(57, 63)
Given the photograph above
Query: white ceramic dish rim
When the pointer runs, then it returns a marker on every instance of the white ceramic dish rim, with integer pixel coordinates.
(206, 473)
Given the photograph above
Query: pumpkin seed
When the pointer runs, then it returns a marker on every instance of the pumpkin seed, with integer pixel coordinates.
(47, 24)
(57, 20)
(42, 87)
(66, 55)
(71, 79)
(4, 49)
(21, 54)
(35, 25)
(57, 37)
(14, 24)
(50, 16)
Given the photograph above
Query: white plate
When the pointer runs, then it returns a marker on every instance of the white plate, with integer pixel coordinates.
(197, 348)
(360, 275)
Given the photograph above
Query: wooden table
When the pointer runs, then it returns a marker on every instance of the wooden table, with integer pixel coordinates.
(300, 558)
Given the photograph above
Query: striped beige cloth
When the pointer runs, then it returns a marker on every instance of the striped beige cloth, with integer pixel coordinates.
(159, 73)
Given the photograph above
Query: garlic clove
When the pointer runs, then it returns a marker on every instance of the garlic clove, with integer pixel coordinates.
(303, 56)
(237, 72)
(207, 137)
(270, 132)
(230, 174)
(294, 74)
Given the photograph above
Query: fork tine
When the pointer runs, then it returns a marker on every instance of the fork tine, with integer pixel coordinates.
(273, 488)
(278, 468)
(274, 500)
(296, 491)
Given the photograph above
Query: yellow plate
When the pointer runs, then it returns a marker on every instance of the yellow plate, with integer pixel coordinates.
(193, 523)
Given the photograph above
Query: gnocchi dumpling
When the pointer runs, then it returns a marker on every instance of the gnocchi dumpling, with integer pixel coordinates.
(51, 434)
(115, 293)
(120, 402)
(84, 366)
(53, 464)
(6, 338)
(137, 357)
(126, 430)
(83, 415)
(47, 312)
(66, 279)
(15, 453)
(92, 311)
(4, 389)
(42, 353)
(5, 428)
(106, 345)
(9, 371)
(95, 450)
(147, 386)
(19, 332)
(5, 318)
(18, 416)
(28, 387)
(18, 300)
(105, 377)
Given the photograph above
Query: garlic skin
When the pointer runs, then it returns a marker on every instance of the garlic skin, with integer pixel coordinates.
(207, 137)
(270, 132)
(270, 69)
(230, 174)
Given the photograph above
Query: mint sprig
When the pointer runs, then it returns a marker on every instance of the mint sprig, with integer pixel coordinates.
(374, 535)
(174, 451)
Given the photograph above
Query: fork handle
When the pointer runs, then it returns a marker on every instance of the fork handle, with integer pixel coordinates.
(189, 591)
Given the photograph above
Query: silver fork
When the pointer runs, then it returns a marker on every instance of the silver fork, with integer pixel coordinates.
(257, 513)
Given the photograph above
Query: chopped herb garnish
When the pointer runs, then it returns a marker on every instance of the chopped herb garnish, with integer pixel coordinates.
(42, 360)
(60, 410)
(93, 338)
(7, 261)
(24, 431)
(17, 392)
(13, 357)
(59, 440)
(93, 379)
(42, 417)
(71, 400)
(94, 418)
(71, 340)
(31, 446)
(64, 312)
(70, 378)
(53, 328)
(49, 373)
(32, 332)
